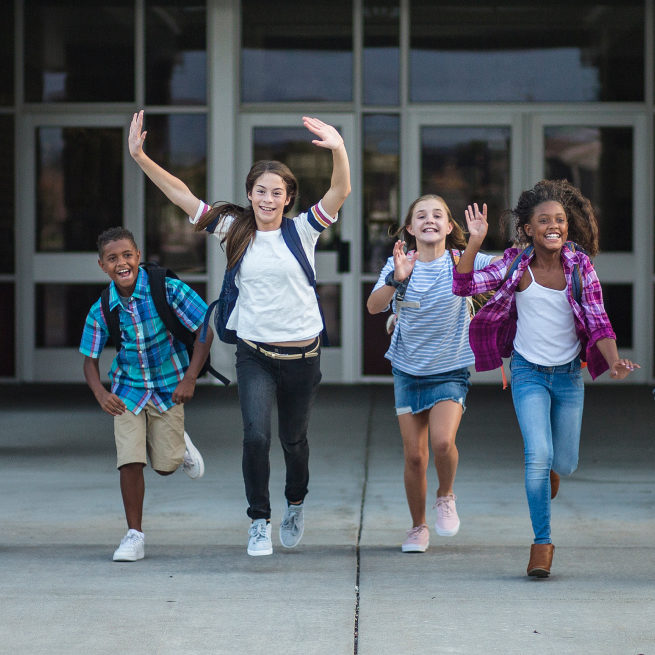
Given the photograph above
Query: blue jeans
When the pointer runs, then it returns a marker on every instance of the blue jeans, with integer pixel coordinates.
(548, 401)
(293, 384)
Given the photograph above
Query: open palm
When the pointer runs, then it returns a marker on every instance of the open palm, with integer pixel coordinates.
(476, 220)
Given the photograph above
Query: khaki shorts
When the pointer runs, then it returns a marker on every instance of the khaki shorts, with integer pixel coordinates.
(158, 435)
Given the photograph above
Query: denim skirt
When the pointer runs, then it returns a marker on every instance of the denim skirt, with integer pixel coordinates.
(416, 393)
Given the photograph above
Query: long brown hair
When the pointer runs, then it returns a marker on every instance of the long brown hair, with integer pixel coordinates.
(242, 230)
(456, 238)
(583, 227)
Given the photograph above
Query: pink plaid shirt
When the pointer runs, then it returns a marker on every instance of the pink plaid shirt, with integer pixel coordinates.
(492, 330)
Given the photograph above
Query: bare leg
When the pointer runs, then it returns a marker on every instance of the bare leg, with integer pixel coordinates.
(133, 489)
(414, 432)
(444, 421)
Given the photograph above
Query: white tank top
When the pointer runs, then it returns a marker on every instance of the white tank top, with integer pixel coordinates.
(545, 330)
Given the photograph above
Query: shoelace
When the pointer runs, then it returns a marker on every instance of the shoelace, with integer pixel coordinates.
(130, 539)
(444, 505)
(258, 531)
(415, 532)
(290, 521)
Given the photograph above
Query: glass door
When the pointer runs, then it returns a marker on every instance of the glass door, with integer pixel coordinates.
(78, 181)
(283, 137)
(605, 156)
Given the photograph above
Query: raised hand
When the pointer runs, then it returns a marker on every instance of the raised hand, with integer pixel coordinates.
(137, 136)
(328, 136)
(476, 221)
(403, 264)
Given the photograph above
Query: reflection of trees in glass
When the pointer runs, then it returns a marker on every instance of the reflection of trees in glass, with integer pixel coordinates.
(598, 160)
(466, 169)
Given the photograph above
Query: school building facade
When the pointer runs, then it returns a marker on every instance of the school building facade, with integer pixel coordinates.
(474, 101)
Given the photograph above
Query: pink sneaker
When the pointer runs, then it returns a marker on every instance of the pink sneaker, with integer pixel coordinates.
(447, 524)
(417, 541)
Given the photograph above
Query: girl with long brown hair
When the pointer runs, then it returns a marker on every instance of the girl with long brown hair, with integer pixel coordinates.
(276, 317)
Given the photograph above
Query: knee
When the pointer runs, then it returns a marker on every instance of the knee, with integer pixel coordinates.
(416, 461)
(566, 469)
(443, 448)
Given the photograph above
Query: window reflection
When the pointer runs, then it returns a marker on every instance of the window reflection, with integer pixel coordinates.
(312, 167)
(175, 52)
(7, 54)
(296, 51)
(381, 53)
(466, 165)
(79, 186)
(376, 340)
(526, 51)
(79, 52)
(179, 144)
(7, 194)
(381, 141)
(617, 299)
(598, 160)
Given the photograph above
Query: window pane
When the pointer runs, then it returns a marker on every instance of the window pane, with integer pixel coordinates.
(617, 299)
(598, 160)
(79, 52)
(526, 51)
(7, 53)
(8, 331)
(381, 185)
(376, 340)
(465, 165)
(381, 54)
(330, 295)
(312, 167)
(179, 144)
(60, 313)
(176, 71)
(7, 194)
(296, 51)
(79, 186)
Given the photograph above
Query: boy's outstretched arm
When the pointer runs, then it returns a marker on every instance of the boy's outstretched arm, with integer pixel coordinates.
(187, 386)
(340, 183)
(109, 402)
(174, 189)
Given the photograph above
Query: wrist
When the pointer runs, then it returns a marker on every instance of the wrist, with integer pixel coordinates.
(391, 281)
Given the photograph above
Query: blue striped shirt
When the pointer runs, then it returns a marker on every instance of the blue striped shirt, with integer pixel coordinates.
(433, 338)
(151, 362)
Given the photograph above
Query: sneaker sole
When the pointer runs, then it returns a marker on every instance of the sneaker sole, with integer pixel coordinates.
(413, 549)
(122, 558)
(292, 545)
(538, 573)
(447, 533)
(258, 553)
(196, 454)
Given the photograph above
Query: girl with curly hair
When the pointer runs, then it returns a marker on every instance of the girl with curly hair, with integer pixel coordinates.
(548, 314)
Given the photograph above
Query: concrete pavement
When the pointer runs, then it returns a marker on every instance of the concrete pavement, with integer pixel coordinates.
(346, 588)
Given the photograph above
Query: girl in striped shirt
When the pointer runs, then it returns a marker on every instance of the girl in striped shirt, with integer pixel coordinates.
(430, 356)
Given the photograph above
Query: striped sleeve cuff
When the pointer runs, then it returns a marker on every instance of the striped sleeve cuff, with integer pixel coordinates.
(202, 208)
(318, 218)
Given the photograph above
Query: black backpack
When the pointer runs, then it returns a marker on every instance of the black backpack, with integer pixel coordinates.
(157, 281)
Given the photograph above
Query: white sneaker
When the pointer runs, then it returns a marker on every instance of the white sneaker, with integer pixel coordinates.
(131, 547)
(193, 464)
(260, 542)
(292, 526)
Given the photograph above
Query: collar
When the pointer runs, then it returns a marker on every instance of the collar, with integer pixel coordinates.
(140, 290)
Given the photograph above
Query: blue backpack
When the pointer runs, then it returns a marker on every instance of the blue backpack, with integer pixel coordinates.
(224, 305)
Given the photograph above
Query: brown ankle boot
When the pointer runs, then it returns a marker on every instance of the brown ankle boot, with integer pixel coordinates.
(554, 484)
(541, 558)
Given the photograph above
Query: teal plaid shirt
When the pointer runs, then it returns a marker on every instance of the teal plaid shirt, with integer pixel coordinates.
(151, 362)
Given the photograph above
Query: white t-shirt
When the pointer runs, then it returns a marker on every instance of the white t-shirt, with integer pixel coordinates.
(276, 302)
(433, 338)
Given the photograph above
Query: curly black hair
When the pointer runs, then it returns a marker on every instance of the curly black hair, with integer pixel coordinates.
(114, 234)
(583, 227)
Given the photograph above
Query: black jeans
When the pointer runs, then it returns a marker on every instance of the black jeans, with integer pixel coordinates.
(293, 383)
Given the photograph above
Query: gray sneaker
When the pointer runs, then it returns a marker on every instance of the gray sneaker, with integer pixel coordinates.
(292, 526)
(259, 538)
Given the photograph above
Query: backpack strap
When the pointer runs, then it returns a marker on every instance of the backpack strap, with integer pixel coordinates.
(292, 239)
(515, 262)
(576, 281)
(111, 319)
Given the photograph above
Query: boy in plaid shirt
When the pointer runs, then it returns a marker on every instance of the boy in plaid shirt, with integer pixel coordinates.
(151, 377)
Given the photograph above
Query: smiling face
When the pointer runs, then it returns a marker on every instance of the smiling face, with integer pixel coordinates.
(548, 227)
(430, 224)
(120, 261)
(269, 199)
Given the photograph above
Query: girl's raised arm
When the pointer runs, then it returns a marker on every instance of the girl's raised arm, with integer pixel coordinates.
(174, 189)
(476, 222)
(340, 183)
